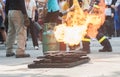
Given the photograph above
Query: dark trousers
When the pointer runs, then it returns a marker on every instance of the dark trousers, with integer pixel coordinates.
(108, 26)
(32, 31)
(1, 39)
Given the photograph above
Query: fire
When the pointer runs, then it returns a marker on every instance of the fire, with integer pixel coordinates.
(96, 19)
(71, 35)
(79, 24)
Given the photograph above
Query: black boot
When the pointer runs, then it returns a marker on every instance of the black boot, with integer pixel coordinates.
(86, 45)
(107, 46)
(104, 42)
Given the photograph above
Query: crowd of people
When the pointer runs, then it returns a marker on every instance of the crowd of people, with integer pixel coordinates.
(14, 12)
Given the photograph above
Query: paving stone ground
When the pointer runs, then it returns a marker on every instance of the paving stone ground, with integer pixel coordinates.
(102, 64)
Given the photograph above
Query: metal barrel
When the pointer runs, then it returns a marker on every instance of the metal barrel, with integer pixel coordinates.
(48, 39)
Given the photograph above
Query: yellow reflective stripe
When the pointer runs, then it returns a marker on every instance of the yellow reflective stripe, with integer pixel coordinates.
(102, 39)
(85, 39)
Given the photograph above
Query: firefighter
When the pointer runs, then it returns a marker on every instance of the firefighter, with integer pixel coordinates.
(100, 37)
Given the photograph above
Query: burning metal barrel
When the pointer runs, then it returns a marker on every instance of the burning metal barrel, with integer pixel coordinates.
(48, 39)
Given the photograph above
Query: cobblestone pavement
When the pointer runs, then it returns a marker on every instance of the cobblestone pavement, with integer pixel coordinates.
(102, 64)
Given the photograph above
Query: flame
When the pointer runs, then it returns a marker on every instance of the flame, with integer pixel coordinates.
(96, 19)
(79, 24)
(71, 35)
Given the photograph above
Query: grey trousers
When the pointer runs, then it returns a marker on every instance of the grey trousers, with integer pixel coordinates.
(16, 30)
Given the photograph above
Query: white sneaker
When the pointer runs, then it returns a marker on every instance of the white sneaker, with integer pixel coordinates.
(36, 47)
(15, 43)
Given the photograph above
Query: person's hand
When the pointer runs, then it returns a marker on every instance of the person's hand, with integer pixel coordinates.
(26, 21)
(112, 6)
(33, 19)
(112, 15)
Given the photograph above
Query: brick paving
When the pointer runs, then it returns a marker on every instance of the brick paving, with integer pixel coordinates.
(102, 64)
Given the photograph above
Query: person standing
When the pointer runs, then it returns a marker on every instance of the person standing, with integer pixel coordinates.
(31, 7)
(53, 11)
(16, 12)
(117, 18)
(109, 22)
(2, 19)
